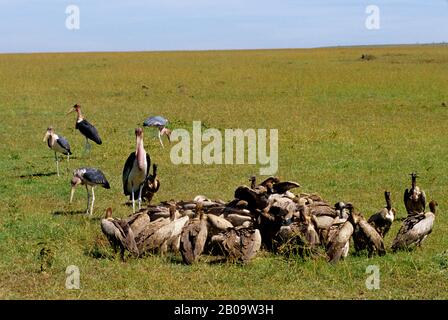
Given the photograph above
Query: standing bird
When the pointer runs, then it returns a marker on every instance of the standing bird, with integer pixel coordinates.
(119, 234)
(89, 177)
(382, 220)
(57, 144)
(160, 123)
(85, 127)
(151, 185)
(414, 198)
(136, 170)
(415, 229)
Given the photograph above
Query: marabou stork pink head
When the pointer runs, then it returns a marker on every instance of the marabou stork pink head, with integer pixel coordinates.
(75, 108)
(167, 132)
(74, 183)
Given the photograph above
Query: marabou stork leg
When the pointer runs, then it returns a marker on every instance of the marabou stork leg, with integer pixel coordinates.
(140, 197)
(68, 162)
(88, 146)
(133, 200)
(160, 139)
(57, 162)
(93, 200)
(88, 199)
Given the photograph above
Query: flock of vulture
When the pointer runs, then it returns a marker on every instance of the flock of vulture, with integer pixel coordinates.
(267, 215)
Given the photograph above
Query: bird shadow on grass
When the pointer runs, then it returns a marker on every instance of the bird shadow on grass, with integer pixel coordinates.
(99, 249)
(98, 253)
(216, 260)
(37, 175)
(68, 212)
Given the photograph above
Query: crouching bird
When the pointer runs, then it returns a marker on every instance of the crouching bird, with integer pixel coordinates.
(119, 234)
(193, 236)
(365, 236)
(239, 244)
(415, 229)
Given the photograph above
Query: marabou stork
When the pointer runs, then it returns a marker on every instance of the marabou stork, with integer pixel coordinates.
(57, 144)
(85, 127)
(160, 123)
(89, 177)
(136, 170)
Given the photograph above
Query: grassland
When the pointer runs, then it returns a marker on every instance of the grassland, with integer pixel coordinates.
(348, 129)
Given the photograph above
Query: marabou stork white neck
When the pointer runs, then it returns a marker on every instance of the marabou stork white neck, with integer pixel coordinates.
(140, 152)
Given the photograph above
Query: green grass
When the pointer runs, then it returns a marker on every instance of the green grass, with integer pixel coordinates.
(348, 129)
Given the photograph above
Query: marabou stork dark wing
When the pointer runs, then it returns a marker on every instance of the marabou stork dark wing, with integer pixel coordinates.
(64, 144)
(97, 177)
(126, 171)
(89, 131)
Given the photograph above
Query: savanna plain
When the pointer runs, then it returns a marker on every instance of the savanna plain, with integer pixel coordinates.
(349, 129)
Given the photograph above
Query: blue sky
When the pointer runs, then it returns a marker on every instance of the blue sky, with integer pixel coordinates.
(113, 25)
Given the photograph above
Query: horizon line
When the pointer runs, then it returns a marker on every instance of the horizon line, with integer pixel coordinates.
(237, 49)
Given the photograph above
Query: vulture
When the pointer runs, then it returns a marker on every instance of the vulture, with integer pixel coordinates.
(415, 229)
(382, 220)
(194, 236)
(151, 185)
(365, 236)
(339, 239)
(162, 234)
(255, 198)
(299, 236)
(414, 198)
(239, 244)
(119, 234)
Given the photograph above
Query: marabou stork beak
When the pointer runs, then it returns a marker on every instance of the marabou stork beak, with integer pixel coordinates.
(71, 110)
(46, 136)
(72, 193)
